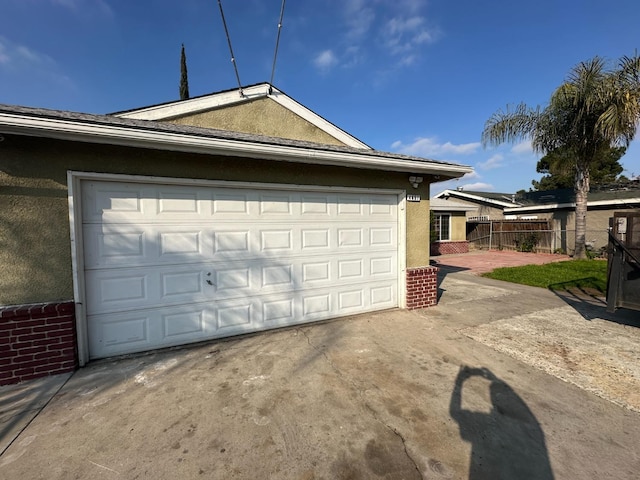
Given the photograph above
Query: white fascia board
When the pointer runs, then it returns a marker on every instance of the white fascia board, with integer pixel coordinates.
(443, 208)
(195, 105)
(625, 202)
(141, 138)
(475, 198)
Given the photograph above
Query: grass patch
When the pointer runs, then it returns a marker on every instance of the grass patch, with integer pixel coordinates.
(583, 274)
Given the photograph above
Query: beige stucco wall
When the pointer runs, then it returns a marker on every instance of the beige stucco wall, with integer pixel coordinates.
(35, 252)
(458, 226)
(417, 224)
(249, 117)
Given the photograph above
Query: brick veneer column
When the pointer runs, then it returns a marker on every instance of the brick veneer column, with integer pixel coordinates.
(422, 287)
(36, 341)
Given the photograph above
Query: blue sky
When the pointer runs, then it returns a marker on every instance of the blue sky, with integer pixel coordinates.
(411, 76)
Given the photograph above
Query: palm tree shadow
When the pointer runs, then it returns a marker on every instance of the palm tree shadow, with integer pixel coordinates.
(507, 442)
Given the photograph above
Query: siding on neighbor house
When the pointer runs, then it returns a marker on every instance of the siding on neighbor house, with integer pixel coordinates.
(249, 117)
(36, 256)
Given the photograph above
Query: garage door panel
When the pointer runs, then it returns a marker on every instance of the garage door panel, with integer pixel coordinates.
(383, 296)
(120, 334)
(104, 198)
(172, 264)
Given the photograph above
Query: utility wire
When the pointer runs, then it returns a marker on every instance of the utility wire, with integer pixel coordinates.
(233, 58)
(275, 53)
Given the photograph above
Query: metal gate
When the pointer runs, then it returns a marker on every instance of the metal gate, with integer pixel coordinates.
(623, 269)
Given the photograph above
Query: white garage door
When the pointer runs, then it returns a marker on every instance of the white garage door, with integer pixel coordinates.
(170, 264)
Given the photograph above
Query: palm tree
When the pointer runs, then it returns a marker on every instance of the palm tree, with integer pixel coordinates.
(594, 110)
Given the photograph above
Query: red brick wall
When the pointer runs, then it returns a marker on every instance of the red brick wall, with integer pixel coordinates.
(422, 287)
(36, 341)
(446, 248)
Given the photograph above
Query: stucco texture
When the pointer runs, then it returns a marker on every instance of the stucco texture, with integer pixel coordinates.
(458, 226)
(35, 249)
(249, 118)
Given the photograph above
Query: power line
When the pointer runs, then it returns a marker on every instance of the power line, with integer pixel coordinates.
(233, 58)
(275, 53)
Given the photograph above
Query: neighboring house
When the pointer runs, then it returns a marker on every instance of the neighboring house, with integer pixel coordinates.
(218, 215)
(555, 206)
(487, 205)
(558, 206)
(450, 226)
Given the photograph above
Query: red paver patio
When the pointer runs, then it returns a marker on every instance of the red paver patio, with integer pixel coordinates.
(482, 261)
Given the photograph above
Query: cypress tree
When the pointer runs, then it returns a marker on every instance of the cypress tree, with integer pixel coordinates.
(184, 81)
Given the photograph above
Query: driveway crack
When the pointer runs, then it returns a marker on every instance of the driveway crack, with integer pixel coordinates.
(366, 404)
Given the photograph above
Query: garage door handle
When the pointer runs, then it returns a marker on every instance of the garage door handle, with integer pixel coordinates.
(209, 281)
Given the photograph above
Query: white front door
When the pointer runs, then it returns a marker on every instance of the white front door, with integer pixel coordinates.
(169, 264)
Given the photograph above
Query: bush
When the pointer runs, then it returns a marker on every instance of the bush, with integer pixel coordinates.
(528, 242)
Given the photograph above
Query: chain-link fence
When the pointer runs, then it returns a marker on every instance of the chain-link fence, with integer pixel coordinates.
(540, 240)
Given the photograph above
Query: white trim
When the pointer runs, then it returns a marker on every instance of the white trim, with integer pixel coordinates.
(468, 196)
(557, 206)
(402, 249)
(317, 120)
(436, 214)
(77, 263)
(138, 137)
(74, 183)
(195, 105)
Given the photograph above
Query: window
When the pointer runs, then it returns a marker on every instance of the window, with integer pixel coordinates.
(442, 227)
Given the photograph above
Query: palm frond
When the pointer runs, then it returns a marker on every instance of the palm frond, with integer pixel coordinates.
(511, 124)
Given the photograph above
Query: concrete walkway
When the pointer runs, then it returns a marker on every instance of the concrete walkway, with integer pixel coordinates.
(492, 383)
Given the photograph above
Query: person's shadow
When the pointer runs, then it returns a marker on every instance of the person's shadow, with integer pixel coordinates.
(506, 442)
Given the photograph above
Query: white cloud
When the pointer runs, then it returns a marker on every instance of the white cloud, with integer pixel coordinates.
(353, 56)
(325, 60)
(522, 147)
(4, 55)
(494, 162)
(478, 187)
(425, 147)
(388, 29)
(22, 57)
(406, 34)
(360, 16)
(22, 60)
(86, 7)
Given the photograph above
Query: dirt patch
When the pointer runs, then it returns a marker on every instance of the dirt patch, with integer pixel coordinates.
(596, 355)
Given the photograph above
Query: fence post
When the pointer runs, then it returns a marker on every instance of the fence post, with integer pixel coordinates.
(490, 232)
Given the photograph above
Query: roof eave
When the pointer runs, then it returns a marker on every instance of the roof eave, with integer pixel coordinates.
(559, 206)
(143, 138)
(467, 196)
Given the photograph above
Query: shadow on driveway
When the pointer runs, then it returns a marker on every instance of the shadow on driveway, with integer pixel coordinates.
(507, 442)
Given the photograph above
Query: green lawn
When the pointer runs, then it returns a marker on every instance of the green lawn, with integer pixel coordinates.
(584, 274)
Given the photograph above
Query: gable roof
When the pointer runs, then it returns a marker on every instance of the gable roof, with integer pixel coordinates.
(603, 196)
(606, 196)
(108, 129)
(499, 200)
(166, 111)
(441, 205)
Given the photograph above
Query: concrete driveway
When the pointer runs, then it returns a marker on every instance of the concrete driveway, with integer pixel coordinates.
(470, 389)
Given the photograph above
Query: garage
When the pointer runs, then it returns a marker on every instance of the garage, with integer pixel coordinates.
(161, 227)
(168, 264)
